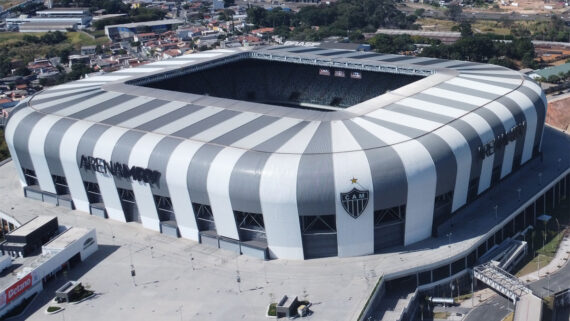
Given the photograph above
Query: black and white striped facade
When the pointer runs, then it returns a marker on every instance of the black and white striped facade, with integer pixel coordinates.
(227, 168)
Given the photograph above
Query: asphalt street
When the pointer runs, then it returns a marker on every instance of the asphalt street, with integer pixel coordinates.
(497, 307)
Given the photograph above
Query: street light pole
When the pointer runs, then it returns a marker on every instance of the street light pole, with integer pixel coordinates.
(496, 207)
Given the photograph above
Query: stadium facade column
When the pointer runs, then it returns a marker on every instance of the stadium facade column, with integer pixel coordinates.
(143, 194)
(36, 144)
(355, 235)
(104, 149)
(177, 180)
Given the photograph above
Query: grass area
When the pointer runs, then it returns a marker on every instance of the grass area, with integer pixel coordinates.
(441, 315)
(4, 153)
(52, 309)
(9, 3)
(463, 297)
(509, 317)
(560, 214)
(76, 39)
(496, 27)
(543, 255)
(272, 310)
(432, 24)
(12, 37)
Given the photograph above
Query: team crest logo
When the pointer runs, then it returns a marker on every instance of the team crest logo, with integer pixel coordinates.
(354, 202)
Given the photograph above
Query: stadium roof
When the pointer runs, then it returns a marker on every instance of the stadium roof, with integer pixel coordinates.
(453, 90)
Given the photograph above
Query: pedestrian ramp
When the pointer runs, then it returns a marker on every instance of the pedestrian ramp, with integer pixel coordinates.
(529, 308)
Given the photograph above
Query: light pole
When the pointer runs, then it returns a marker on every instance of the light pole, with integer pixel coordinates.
(496, 207)
(519, 190)
(540, 178)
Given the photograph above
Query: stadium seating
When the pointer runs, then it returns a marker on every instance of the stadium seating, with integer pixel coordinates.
(285, 84)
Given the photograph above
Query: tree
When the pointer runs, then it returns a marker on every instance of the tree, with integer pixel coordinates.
(22, 71)
(454, 11)
(229, 3)
(465, 29)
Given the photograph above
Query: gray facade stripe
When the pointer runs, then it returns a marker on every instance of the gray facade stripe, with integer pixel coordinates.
(86, 146)
(60, 106)
(281, 48)
(315, 175)
(498, 129)
(272, 145)
(419, 113)
(206, 123)
(22, 137)
(493, 83)
(158, 161)
(87, 112)
(131, 113)
(469, 91)
(461, 64)
(122, 152)
(519, 116)
(321, 142)
(304, 50)
(57, 89)
(474, 141)
(492, 75)
(388, 173)
(488, 68)
(540, 112)
(16, 108)
(404, 130)
(68, 94)
(246, 175)
(53, 143)
(365, 56)
(244, 130)
(335, 53)
(198, 173)
(245, 182)
(162, 120)
(432, 61)
(446, 102)
(444, 161)
(397, 59)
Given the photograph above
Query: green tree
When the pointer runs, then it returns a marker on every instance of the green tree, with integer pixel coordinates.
(22, 71)
(454, 11)
(465, 29)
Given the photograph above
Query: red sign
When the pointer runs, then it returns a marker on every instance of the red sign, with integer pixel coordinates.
(18, 288)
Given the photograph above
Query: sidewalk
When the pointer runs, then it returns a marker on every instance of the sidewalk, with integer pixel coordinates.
(559, 260)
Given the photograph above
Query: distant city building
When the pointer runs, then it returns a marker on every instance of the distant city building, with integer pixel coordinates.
(129, 30)
(218, 4)
(57, 19)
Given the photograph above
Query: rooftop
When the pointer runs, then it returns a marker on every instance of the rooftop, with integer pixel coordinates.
(147, 23)
(66, 238)
(32, 225)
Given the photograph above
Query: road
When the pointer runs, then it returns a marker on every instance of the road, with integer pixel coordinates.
(497, 307)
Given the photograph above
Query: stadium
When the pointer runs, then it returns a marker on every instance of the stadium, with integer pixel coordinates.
(280, 152)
